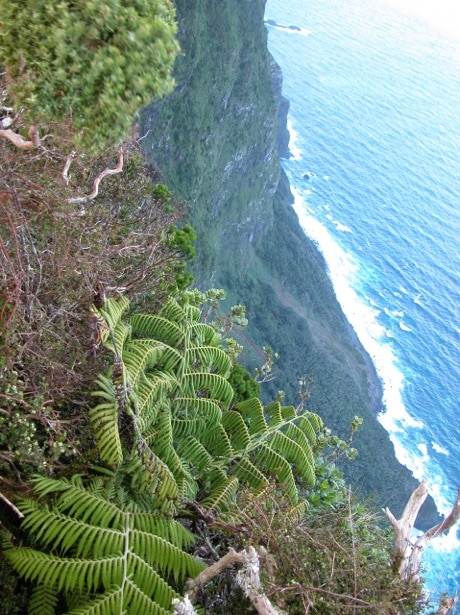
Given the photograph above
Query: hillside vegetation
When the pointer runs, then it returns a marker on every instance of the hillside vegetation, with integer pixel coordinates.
(216, 140)
(141, 470)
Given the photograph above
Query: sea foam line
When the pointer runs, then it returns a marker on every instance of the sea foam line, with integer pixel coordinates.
(343, 271)
(293, 149)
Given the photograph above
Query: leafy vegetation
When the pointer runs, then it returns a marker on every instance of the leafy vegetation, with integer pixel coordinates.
(135, 450)
(215, 139)
(97, 63)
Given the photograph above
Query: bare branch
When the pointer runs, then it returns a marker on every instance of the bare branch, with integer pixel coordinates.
(19, 141)
(12, 506)
(406, 552)
(248, 578)
(66, 168)
(97, 181)
(446, 605)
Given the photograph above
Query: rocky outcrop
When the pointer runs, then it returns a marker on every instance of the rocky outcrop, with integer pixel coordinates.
(282, 109)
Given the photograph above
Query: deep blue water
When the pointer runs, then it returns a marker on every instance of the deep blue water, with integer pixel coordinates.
(375, 168)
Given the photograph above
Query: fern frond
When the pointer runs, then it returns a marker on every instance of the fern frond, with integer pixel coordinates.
(273, 414)
(43, 601)
(249, 474)
(288, 413)
(191, 450)
(310, 424)
(203, 334)
(170, 529)
(279, 468)
(60, 532)
(138, 357)
(222, 495)
(253, 413)
(111, 314)
(107, 603)
(158, 328)
(292, 452)
(104, 419)
(209, 385)
(218, 444)
(176, 313)
(208, 359)
(236, 429)
(194, 414)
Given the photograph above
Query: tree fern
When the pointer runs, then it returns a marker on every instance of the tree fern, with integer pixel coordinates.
(167, 433)
(205, 444)
(92, 546)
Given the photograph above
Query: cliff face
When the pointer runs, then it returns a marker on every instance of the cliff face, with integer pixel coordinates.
(214, 138)
(217, 140)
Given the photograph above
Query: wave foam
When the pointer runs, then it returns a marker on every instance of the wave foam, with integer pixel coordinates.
(439, 449)
(296, 154)
(343, 271)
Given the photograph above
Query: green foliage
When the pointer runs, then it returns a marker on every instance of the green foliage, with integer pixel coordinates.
(167, 399)
(105, 556)
(56, 264)
(182, 239)
(162, 192)
(243, 383)
(334, 560)
(96, 62)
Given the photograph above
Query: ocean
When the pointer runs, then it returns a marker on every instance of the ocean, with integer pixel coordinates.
(375, 170)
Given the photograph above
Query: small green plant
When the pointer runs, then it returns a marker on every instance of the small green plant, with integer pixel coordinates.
(162, 192)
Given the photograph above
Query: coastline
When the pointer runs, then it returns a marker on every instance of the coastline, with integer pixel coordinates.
(218, 140)
(429, 515)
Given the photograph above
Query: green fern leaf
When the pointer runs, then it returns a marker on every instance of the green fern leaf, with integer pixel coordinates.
(43, 601)
(222, 495)
(236, 429)
(279, 468)
(158, 328)
(209, 385)
(253, 413)
(208, 359)
(249, 474)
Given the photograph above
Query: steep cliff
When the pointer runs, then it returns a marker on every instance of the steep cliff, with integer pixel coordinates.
(217, 140)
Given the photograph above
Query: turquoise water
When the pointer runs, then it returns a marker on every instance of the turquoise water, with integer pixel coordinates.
(375, 170)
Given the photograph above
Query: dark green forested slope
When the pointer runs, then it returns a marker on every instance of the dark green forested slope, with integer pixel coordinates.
(216, 141)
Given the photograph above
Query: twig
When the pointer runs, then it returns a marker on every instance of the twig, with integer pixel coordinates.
(12, 506)
(248, 578)
(66, 168)
(95, 191)
(19, 141)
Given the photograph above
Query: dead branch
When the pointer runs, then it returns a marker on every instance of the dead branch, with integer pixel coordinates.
(95, 191)
(446, 605)
(66, 168)
(19, 141)
(248, 578)
(407, 554)
(12, 506)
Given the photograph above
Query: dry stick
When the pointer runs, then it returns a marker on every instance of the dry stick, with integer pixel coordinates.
(66, 168)
(19, 141)
(97, 181)
(12, 506)
(407, 554)
(248, 579)
(446, 605)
